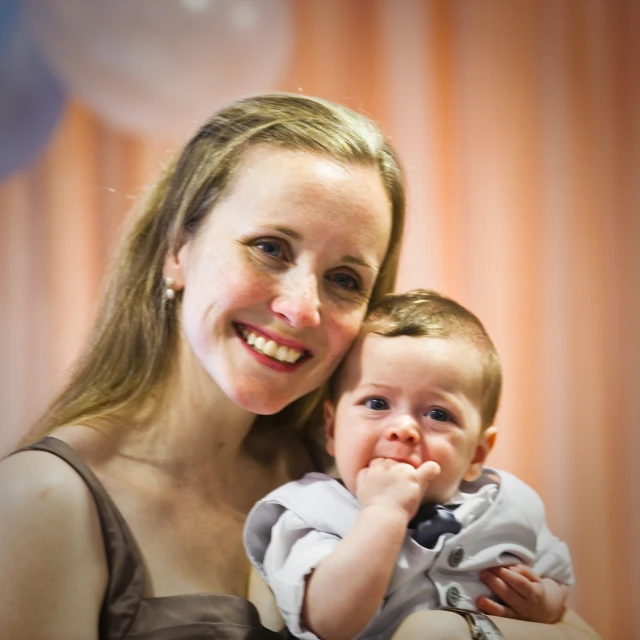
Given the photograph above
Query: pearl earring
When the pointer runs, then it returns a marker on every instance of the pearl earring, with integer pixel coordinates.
(169, 291)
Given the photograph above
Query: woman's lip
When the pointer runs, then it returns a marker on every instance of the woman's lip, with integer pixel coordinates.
(276, 338)
(272, 363)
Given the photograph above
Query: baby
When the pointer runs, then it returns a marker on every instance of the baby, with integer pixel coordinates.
(416, 519)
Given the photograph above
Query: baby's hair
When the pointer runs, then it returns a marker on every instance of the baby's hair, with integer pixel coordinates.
(426, 314)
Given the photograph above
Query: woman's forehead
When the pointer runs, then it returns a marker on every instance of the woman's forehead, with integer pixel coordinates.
(299, 193)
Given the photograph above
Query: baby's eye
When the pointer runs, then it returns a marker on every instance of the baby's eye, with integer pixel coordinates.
(376, 404)
(440, 415)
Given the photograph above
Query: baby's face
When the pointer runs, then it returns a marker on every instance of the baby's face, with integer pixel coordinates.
(411, 399)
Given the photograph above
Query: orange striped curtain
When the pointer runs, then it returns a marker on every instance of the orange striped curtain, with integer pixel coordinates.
(519, 126)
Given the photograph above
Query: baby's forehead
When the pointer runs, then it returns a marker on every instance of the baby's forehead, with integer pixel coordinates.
(371, 339)
(371, 348)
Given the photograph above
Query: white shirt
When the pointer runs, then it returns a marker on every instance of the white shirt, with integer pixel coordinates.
(290, 531)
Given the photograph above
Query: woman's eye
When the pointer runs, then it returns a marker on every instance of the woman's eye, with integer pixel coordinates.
(376, 404)
(270, 248)
(440, 415)
(345, 281)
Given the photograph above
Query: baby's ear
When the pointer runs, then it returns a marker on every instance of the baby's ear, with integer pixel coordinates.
(483, 449)
(329, 424)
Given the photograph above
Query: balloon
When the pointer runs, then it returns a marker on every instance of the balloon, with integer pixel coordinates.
(9, 11)
(31, 101)
(162, 66)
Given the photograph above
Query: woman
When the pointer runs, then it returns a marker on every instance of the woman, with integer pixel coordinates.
(241, 283)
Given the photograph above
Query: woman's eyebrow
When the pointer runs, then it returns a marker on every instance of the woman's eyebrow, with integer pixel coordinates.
(287, 231)
(350, 259)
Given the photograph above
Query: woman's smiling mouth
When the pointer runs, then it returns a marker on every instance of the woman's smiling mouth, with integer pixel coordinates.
(262, 344)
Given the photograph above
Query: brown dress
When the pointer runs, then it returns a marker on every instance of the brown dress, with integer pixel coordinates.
(126, 613)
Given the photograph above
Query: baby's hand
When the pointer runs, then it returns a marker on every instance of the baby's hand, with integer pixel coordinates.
(395, 485)
(524, 594)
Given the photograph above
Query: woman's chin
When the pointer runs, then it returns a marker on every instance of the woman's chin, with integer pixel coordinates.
(263, 397)
(266, 404)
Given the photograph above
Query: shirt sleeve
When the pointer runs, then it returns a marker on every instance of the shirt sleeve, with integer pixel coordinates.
(294, 551)
(553, 559)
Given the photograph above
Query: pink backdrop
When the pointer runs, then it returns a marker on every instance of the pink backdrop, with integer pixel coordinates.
(519, 126)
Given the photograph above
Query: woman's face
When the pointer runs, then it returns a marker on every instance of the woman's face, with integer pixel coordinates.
(276, 281)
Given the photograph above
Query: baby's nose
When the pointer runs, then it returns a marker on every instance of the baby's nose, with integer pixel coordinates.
(404, 431)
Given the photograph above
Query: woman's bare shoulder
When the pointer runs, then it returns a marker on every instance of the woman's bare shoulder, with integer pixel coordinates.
(52, 564)
(42, 498)
(41, 480)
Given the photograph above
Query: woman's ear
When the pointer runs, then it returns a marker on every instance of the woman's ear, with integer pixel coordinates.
(483, 449)
(174, 266)
(329, 425)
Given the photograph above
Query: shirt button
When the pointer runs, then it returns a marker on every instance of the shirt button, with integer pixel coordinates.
(453, 596)
(456, 556)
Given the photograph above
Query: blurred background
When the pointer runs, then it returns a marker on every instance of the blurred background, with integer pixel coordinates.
(518, 122)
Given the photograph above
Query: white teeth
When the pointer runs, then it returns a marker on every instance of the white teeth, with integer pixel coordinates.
(270, 348)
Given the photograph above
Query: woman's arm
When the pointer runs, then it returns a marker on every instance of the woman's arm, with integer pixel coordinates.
(571, 627)
(260, 595)
(445, 625)
(53, 571)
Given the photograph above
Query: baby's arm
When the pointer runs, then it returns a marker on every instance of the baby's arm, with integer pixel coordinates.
(524, 595)
(346, 589)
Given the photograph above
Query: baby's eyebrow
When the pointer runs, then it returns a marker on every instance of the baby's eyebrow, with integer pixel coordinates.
(376, 385)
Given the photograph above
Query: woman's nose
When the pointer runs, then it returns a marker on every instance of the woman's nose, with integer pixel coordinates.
(404, 430)
(298, 301)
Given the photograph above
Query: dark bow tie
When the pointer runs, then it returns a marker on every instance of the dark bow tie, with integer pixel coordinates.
(431, 521)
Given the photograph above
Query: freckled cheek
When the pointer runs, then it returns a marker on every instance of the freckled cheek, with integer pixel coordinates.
(343, 330)
(247, 285)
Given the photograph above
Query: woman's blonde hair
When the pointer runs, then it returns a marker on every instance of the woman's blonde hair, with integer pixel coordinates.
(133, 341)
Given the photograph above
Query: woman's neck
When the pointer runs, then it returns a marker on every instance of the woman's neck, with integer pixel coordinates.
(187, 425)
(186, 431)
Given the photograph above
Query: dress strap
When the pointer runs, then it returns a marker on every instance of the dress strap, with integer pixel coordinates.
(126, 587)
